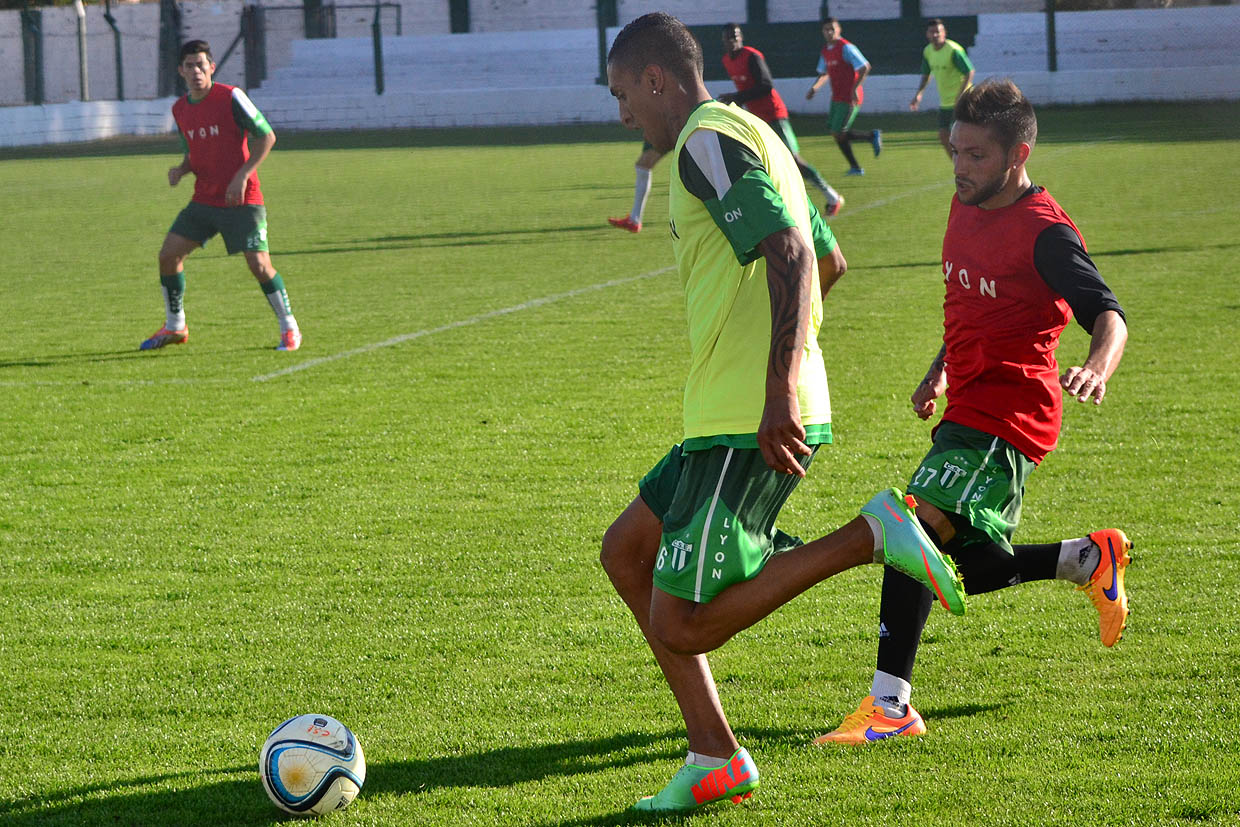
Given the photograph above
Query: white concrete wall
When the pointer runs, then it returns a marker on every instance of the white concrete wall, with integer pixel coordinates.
(529, 15)
(30, 125)
(692, 12)
(535, 78)
(951, 8)
(69, 122)
(793, 11)
(12, 81)
(472, 62)
(1138, 40)
(863, 9)
(216, 21)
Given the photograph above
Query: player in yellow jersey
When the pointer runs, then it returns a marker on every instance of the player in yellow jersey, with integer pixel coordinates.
(952, 70)
(696, 556)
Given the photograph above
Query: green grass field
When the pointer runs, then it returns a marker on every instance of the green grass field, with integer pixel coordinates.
(202, 541)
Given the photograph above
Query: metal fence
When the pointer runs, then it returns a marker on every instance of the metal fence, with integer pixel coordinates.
(135, 54)
(263, 37)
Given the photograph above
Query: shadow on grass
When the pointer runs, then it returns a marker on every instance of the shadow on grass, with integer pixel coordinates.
(240, 800)
(454, 239)
(63, 358)
(939, 713)
(127, 355)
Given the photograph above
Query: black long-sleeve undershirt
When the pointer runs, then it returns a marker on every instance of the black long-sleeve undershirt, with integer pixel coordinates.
(763, 81)
(1066, 267)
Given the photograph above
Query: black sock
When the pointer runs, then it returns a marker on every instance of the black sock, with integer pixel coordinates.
(846, 148)
(902, 615)
(1037, 562)
(988, 567)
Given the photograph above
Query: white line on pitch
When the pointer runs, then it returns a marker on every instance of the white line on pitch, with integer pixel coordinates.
(417, 334)
(882, 202)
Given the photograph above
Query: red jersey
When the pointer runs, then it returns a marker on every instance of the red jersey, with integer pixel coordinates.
(213, 131)
(769, 107)
(841, 62)
(1001, 323)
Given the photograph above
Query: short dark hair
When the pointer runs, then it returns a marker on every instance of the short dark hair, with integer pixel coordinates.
(936, 21)
(727, 27)
(193, 47)
(660, 39)
(830, 20)
(997, 103)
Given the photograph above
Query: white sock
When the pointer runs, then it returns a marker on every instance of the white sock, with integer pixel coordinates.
(697, 759)
(891, 693)
(279, 303)
(1077, 560)
(641, 191)
(173, 320)
(833, 197)
(876, 528)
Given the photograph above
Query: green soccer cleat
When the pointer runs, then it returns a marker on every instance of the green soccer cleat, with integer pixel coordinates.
(908, 549)
(693, 787)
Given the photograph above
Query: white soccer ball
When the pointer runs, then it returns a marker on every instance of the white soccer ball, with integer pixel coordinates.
(312, 764)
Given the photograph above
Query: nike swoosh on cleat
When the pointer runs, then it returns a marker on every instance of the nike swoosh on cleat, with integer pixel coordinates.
(872, 734)
(1111, 592)
(938, 591)
(893, 513)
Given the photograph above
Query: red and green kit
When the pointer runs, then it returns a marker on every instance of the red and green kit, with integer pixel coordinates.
(213, 132)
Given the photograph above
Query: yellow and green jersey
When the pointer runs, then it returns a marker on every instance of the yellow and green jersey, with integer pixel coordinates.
(949, 65)
(734, 183)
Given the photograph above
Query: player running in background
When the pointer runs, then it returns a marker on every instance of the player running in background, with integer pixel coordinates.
(693, 556)
(953, 73)
(1016, 273)
(846, 68)
(755, 90)
(641, 190)
(213, 120)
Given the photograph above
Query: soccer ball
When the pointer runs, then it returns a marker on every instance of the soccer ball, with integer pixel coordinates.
(312, 764)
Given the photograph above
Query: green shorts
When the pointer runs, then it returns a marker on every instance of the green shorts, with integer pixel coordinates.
(718, 508)
(784, 130)
(978, 476)
(947, 117)
(841, 115)
(244, 228)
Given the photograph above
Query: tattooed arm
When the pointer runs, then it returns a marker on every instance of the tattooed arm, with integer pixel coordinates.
(789, 274)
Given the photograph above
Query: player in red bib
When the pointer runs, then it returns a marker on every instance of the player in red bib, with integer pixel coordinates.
(214, 121)
(755, 90)
(846, 68)
(1016, 273)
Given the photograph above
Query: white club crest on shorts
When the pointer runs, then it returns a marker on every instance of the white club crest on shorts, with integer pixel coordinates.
(680, 553)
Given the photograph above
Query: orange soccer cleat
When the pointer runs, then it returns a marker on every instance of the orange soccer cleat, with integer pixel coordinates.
(626, 223)
(869, 724)
(164, 336)
(1106, 584)
(290, 340)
